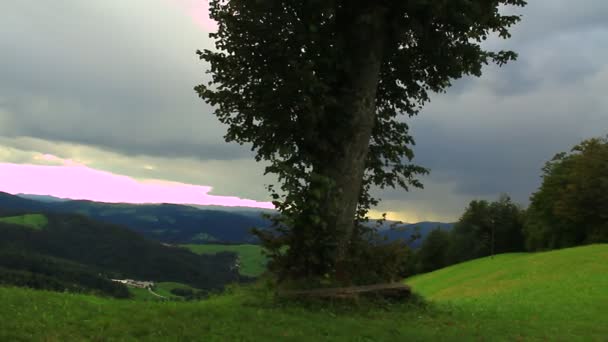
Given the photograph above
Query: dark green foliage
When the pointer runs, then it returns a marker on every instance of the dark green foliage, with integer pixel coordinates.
(485, 229)
(571, 206)
(316, 88)
(433, 253)
(23, 268)
(377, 261)
(372, 259)
(120, 252)
(182, 292)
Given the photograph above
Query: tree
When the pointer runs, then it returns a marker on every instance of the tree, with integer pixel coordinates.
(487, 228)
(433, 252)
(507, 224)
(316, 88)
(571, 206)
(471, 234)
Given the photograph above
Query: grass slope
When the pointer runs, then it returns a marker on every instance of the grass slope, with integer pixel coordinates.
(162, 289)
(253, 262)
(34, 221)
(555, 296)
(563, 292)
(143, 295)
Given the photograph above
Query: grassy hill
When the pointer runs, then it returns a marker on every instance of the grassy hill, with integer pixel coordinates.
(563, 293)
(556, 296)
(253, 262)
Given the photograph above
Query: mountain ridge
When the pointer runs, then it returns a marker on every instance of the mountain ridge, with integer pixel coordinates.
(185, 224)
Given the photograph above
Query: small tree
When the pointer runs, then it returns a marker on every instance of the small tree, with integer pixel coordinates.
(316, 86)
(571, 206)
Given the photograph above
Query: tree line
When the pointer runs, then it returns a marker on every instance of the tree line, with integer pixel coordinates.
(569, 209)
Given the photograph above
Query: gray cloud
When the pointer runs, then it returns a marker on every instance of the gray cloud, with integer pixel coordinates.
(494, 134)
(542, 18)
(114, 74)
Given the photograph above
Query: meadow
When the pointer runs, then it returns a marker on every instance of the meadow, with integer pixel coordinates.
(252, 260)
(33, 221)
(558, 296)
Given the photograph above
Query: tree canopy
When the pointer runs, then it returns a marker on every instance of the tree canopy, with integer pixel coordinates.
(571, 206)
(316, 88)
(487, 228)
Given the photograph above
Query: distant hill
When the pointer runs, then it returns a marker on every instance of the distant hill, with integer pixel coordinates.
(170, 223)
(406, 231)
(43, 198)
(12, 203)
(182, 224)
(115, 251)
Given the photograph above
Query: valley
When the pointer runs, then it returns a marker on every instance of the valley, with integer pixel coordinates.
(124, 285)
(509, 297)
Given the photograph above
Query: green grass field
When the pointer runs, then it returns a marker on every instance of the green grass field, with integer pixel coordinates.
(253, 262)
(143, 295)
(162, 289)
(563, 292)
(555, 296)
(33, 221)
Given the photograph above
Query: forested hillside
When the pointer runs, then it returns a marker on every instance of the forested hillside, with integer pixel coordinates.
(168, 223)
(111, 249)
(182, 224)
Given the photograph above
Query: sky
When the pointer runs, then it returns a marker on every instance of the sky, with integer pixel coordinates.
(97, 102)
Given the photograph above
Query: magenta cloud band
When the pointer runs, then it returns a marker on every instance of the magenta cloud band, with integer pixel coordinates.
(76, 181)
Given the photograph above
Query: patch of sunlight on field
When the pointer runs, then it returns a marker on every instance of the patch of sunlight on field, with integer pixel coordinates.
(253, 262)
(33, 221)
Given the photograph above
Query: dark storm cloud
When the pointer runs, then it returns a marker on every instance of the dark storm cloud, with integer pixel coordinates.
(494, 134)
(119, 75)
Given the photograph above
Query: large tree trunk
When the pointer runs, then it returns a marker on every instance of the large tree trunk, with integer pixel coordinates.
(354, 118)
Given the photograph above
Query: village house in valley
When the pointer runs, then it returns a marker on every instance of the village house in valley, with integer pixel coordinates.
(135, 283)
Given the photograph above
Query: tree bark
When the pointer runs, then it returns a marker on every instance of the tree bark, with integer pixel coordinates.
(364, 40)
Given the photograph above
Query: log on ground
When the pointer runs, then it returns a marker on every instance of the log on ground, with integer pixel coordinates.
(387, 291)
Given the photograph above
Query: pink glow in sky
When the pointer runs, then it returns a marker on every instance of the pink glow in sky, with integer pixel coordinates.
(76, 181)
(198, 10)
